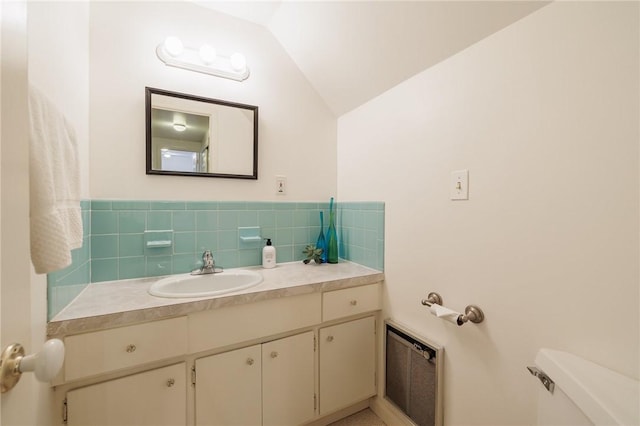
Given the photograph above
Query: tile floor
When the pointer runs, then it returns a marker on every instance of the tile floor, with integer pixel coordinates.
(365, 417)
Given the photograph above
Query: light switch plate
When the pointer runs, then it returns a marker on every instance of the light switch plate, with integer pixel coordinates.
(281, 185)
(460, 185)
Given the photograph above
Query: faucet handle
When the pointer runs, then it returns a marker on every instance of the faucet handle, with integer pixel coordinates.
(207, 259)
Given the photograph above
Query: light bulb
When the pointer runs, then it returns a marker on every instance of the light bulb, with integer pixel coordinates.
(207, 54)
(173, 46)
(179, 122)
(238, 62)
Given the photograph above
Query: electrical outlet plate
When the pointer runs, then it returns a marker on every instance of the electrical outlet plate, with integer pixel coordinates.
(460, 185)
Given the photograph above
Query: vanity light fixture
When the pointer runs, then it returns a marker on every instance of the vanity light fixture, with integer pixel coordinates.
(204, 59)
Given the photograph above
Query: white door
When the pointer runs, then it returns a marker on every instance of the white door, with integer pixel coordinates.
(288, 380)
(153, 398)
(23, 302)
(347, 364)
(228, 390)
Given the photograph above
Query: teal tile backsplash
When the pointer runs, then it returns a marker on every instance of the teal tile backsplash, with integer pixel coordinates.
(64, 285)
(115, 246)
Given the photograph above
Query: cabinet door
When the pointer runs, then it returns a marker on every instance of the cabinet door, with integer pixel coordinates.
(288, 380)
(154, 398)
(228, 390)
(347, 364)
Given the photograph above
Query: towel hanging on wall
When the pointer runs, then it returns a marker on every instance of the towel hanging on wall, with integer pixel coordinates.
(54, 186)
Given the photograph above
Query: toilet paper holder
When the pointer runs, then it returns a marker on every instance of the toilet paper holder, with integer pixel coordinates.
(471, 313)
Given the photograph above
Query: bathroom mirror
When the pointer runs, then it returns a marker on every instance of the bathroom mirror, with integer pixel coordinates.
(194, 136)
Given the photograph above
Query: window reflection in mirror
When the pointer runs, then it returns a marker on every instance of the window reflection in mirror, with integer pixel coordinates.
(194, 136)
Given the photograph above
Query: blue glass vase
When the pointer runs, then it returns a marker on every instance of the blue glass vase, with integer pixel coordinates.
(332, 236)
(322, 243)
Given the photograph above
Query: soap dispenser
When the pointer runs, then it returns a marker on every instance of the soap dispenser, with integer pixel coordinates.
(268, 255)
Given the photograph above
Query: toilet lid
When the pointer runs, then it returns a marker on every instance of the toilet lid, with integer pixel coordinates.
(606, 397)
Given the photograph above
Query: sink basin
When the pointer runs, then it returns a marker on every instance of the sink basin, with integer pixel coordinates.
(187, 285)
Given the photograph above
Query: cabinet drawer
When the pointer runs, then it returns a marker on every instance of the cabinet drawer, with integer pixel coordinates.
(350, 301)
(109, 350)
(234, 324)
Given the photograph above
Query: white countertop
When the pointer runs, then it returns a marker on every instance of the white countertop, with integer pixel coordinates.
(116, 303)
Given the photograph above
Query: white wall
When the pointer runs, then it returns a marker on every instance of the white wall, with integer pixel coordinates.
(297, 132)
(545, 116)
(59, 66)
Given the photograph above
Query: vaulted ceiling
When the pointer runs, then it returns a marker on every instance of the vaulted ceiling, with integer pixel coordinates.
(352, 51)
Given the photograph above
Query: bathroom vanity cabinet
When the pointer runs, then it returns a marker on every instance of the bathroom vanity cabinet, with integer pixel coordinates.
(282, 361)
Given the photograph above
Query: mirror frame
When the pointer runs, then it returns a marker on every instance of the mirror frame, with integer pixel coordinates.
(149, 91)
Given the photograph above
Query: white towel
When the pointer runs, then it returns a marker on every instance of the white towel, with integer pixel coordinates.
(55, 215)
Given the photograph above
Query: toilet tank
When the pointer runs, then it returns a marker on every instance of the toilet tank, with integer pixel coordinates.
(583, 393)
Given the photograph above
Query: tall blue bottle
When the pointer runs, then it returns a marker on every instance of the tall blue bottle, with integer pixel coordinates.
(332, 236)
(322, 243)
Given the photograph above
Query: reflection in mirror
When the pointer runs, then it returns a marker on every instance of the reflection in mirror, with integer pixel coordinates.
(194, 136)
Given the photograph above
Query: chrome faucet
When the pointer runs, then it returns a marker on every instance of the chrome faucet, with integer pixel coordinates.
(208, 264)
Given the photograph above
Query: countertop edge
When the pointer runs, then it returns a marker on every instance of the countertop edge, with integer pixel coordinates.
(183, 307)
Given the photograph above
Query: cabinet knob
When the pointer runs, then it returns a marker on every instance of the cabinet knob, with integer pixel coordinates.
(353, 302)
(329, 338)
(131, 348)
(274, 354)
(171, 382)
(250, 361)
